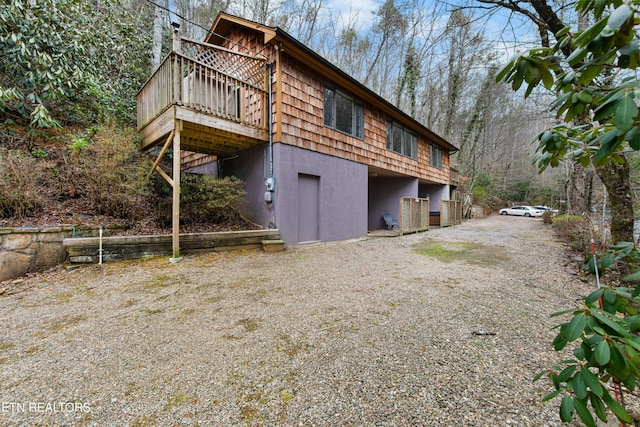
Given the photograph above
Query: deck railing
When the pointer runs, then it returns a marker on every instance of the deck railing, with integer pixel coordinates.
(454, 177)
(210, 80)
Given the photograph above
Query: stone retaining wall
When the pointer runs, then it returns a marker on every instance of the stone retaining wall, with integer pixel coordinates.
(30, 249)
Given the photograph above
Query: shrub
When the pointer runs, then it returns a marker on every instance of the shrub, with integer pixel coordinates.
(606, 351)
(203, 199)
(107, 170)
(20, 194)
(576, 231)
(480, 195)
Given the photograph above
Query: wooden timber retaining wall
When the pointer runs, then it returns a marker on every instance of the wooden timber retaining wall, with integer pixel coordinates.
(87, 249)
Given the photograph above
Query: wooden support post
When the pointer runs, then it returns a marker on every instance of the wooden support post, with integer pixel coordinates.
(175, 217)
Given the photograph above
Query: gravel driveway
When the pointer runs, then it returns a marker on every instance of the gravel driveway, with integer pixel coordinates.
(442, 328)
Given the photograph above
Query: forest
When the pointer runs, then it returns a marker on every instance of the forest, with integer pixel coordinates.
(72, 67)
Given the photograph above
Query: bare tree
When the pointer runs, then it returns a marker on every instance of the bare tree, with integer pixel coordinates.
(158, 21)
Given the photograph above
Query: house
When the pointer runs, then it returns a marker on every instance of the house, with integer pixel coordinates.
(322, 156)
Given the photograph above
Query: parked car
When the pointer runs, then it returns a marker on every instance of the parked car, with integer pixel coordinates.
(547, 208)
(522, 211)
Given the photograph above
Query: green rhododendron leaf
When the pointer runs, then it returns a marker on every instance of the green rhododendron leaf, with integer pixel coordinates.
(583, 412)
(619, 17)
(602, 353)
(592, 382)
(566, 409)
(575, 327)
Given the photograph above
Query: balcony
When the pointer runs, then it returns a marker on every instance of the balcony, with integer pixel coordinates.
(202, 99)
(454, 177)
(216, 98)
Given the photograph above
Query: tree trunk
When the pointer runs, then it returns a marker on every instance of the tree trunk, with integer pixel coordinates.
(579, 189)
(616, 180)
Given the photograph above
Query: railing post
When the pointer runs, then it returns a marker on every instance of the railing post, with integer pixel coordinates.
(176, 37)
(177, 74)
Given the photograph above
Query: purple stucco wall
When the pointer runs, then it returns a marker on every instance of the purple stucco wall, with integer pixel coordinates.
(349, 203)
(342, 194)
(384, 196)
(251, 166)
(341, 199)
(435, 193)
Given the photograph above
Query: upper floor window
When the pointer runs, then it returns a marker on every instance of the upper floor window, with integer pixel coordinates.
(436, 156)
(343, 112)
(401, 140)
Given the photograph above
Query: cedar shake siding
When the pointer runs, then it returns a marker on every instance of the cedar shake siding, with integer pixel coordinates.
(333, 176)
(303, 126)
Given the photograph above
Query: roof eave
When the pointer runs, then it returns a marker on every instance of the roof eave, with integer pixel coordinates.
(289, 44)
(286, 42)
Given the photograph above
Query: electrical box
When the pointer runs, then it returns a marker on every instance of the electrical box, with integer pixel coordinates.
(268, 196)
(270, 183)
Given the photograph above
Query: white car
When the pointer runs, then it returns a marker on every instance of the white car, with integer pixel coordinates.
(522, 211)
(547, 208)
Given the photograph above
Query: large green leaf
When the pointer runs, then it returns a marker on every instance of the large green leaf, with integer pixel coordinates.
(566, 409)
(547, 78)
(626, 111)
(602, 353)
(598, 407)
(566, 373)
(630, 48)
(614, 325)
(633, 358)
(609, 296)
(560, 341)
(634, 141)
(594, 296)
(592, 381)
(586, 37)
(633, 277)
(607, 108)
(579, 386)
(575, 327)
(577, 56)
(589, 73)
(616, 408)
(618, 365)
(619, 17)
(609, 142)
(583, 412)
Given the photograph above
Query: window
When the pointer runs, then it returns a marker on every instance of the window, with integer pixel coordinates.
(401, 140)
(343, 112)
(436, 156)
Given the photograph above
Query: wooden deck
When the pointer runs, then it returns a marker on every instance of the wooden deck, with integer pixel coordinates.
(202, 99)
(217, 98)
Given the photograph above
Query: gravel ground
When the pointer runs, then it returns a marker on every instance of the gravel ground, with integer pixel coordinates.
(442, 328)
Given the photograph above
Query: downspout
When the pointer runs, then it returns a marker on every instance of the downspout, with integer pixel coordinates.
(270, 120)
(270, 180)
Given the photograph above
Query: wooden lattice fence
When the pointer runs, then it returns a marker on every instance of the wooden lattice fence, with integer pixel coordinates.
(414, 215)
(450, 212)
